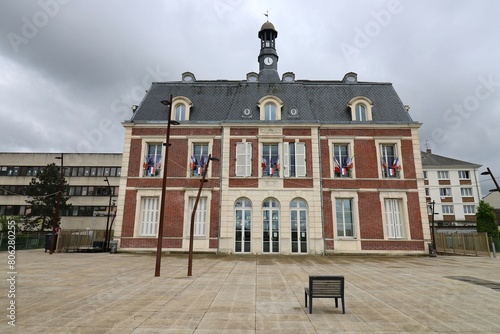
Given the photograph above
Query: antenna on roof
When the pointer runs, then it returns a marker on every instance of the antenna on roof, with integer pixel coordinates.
(427, 149)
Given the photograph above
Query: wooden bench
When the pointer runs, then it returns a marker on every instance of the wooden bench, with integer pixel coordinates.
(325, 287)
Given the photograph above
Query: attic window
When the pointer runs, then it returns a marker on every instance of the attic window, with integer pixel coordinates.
(252, 77)
(350, 77)
(288, 77)
(188, 77)
(181, 108)
(361, 109)
(270, 108)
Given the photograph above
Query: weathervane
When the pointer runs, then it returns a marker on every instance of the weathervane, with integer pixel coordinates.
(267, 15)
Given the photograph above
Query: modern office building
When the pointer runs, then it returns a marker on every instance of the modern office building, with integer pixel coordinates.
(85, 173)
(306, 166)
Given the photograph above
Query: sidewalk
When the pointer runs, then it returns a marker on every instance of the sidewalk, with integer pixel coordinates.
(118, 293)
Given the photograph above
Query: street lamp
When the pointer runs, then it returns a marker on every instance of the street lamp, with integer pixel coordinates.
(488, 172)
(108, 230)
(191, 230)
(431, 206)
(164, 185)
(58, 200)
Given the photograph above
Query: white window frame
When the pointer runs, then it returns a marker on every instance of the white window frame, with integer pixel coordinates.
(149, 216)
(299, 157)
(158, 161)
(361, 101)
(445, 192)
(466, 192)
(351, 200)
(469, 209)
(404, 231)
(443, 175)
(243, 167)
(202, 224)
(397, 153)
(178, 101)
(394, 218)
(200, 217)
(198, 141)
(464, 174)
(447, 209)
(278, 103)
(350, 155)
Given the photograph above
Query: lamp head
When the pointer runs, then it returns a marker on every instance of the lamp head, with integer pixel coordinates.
(165, 102)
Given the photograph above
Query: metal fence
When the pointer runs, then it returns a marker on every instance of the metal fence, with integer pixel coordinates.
(67, 240)
(25, 240)
(81, 240)
(476, 244)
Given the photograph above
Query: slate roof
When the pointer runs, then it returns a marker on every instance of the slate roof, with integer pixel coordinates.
(433, 160)
(222, 101)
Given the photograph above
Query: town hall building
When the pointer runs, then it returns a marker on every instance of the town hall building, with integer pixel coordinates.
(305, 166)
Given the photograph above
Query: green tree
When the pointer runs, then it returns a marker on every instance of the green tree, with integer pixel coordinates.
(43, 196)
(486, 220)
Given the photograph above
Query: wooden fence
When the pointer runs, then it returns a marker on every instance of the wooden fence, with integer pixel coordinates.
(476, 244)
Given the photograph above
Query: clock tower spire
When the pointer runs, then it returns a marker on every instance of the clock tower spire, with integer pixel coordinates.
(268, 58)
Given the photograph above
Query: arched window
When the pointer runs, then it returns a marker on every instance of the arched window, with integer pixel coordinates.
(181, 108)
(298, 225)
(361, 109)
(270, 112)
(180, 112)
(360, 113)
(270, 108)
(243, 225)
(271, 226)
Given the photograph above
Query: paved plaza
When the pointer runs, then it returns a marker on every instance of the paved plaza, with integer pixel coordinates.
(118, 293)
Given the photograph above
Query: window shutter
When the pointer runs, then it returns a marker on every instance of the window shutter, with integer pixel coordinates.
(248, 158)
(300, 159)
(394, 224)
(286, 159)
(240, 159)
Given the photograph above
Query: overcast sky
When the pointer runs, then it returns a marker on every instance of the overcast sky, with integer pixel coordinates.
(71, 69)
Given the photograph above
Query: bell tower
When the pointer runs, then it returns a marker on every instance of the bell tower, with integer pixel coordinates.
(268, 58)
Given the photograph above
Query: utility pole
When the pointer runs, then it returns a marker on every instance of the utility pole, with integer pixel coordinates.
(58, 200)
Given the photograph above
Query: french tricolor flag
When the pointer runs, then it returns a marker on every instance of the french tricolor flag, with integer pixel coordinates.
(392, 172)
(271, 170)
(200, 170)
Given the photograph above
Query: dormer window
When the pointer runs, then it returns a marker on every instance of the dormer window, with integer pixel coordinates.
(270, 112)
(270, 108)
(360, 112)
(361, 109)
(181, 109)
(180, 112)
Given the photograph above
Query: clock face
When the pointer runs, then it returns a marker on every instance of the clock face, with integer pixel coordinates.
(268, 60)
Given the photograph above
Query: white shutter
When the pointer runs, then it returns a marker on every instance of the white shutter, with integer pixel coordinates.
(393, 217)
(248, 158)
(286, 159)
(300, 159)
(149, 216)
(244, 159)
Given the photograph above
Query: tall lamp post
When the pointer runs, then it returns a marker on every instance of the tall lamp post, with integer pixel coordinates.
(108, 230)
(58, 200)
(488, 172)
(163, 187)
(193, 214)
(433, 236)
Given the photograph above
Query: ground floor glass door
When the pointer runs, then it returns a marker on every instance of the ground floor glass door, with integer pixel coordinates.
(298, 222)
(243, 226)
(270, 226)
